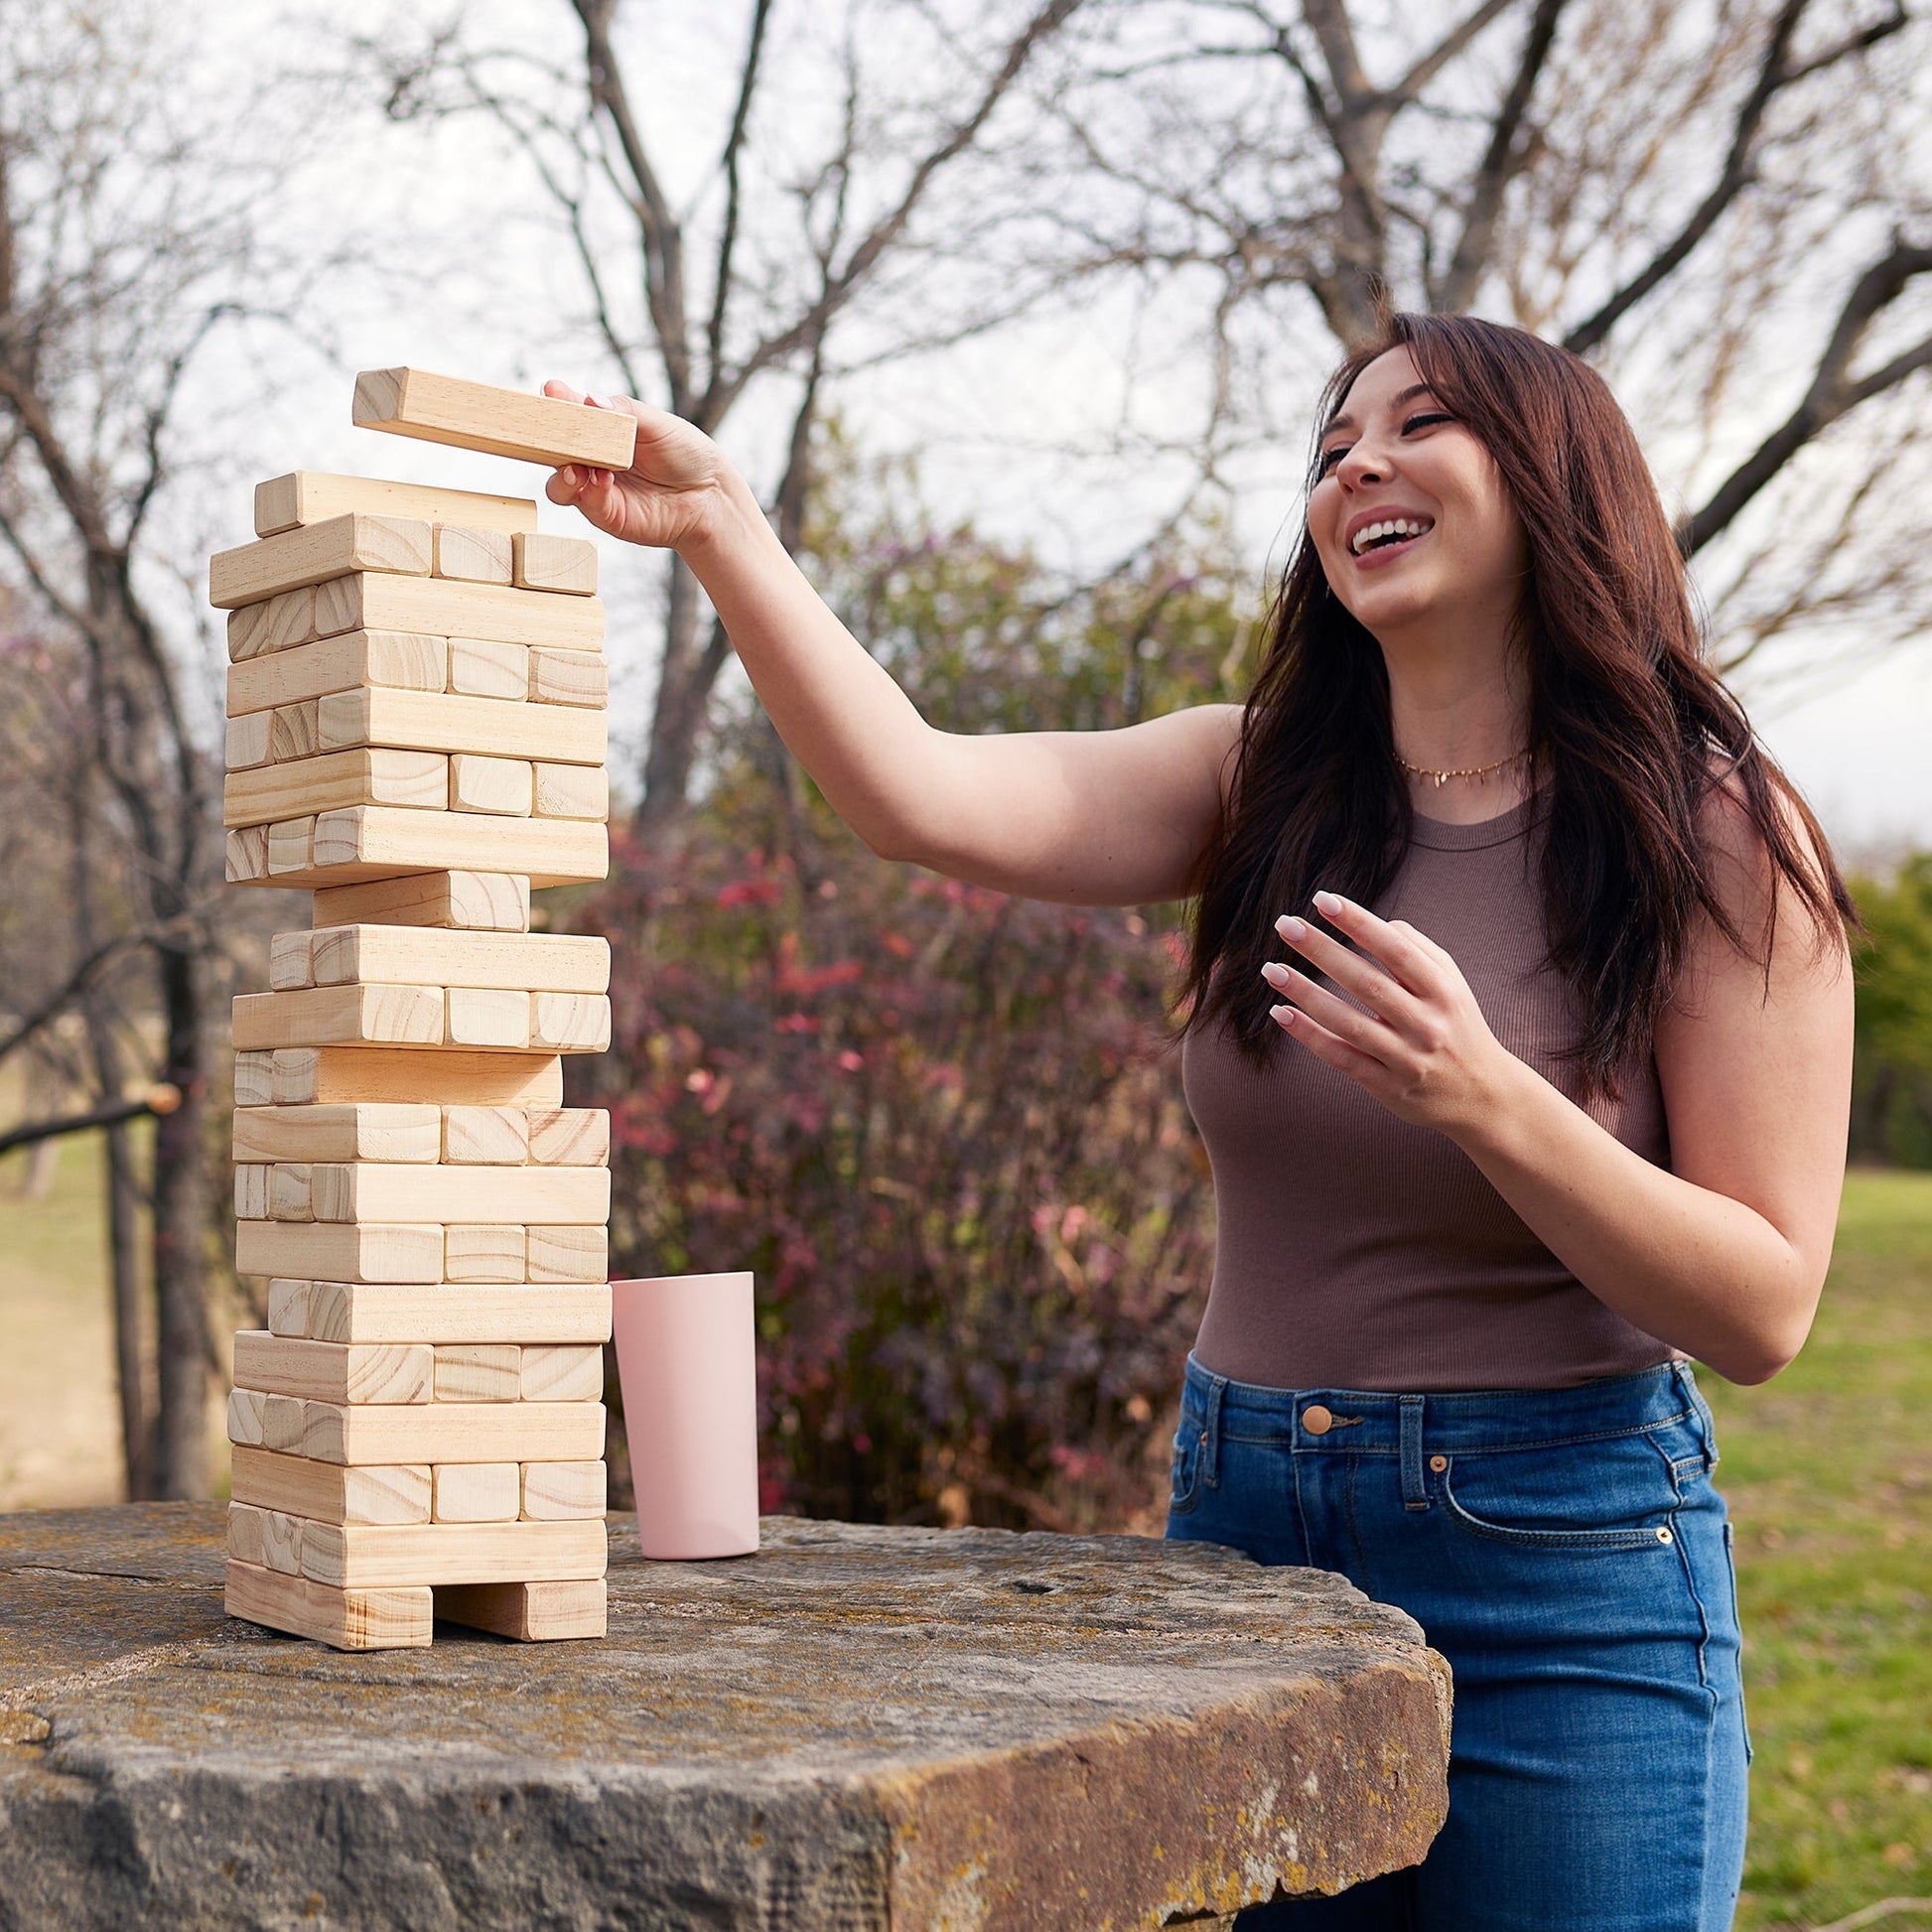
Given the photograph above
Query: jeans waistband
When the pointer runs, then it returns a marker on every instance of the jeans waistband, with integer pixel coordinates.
(1356, 1422)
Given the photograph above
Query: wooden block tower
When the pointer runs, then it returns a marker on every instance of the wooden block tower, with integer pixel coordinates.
(416, 731)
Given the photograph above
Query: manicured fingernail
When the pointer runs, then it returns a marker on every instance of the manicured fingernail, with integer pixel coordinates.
(570, 475)
(1292, 929)
(1281, 1016)
(1273, 974)
(1328, 903)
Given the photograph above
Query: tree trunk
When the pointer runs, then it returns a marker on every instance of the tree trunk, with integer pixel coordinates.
(678, 716)
(124, 1272)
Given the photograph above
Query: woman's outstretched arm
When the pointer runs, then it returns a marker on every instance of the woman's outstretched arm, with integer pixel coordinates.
(1115, 817)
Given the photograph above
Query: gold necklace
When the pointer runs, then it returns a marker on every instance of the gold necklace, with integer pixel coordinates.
(1477, 771)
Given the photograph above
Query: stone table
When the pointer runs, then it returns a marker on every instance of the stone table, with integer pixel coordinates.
(857, 1729)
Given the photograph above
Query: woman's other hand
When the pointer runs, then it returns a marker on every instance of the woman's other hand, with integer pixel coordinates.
(1413, 1038)
(674, 491)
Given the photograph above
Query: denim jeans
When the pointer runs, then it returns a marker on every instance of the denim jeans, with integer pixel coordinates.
(1566, 1551)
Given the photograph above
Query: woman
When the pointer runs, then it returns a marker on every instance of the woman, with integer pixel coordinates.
(1521, 1044)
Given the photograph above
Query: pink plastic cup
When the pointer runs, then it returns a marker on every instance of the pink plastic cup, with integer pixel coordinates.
(687, 1363)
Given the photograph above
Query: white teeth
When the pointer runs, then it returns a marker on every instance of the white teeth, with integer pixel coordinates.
(1405, 527)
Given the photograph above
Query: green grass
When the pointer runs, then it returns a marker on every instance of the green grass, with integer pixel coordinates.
(1829, 1473)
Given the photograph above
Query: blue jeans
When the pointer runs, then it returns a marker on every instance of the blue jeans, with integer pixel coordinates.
(1566, 1551)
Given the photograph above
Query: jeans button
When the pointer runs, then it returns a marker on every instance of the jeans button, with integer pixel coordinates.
(1438, 1463)
(1317, 1420)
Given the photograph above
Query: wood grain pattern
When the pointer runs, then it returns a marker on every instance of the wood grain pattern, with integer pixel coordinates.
(529, 1612)
(302, 558)
(359, 1556)
(501, 422)
(332, 1492)
(438, 606)
(393, 659)
(484, 902)
(520, 1311)
(549, 563)
(370, 1131)
(315, 495)
(425, 721)
(400, 1618)
(454, 1432)
(342, 1251)
(301, 1074)
(418, 955)
(331, 1371)
(414, 780)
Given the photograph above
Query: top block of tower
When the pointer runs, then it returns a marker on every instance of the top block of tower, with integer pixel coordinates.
(500, 422)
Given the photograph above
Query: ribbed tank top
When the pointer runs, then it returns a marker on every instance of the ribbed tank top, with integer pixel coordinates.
(1355, 1251)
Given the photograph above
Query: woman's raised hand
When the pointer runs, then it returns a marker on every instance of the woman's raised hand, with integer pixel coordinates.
(670, 494)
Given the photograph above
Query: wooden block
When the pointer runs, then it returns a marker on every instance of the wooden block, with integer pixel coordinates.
(291, 1191)
(482, 1372)
(502, 422)
(480, 668)
(547, 563)
(247, 855)
(288, 1308)
(476, 556)
(247, 741)
(368, 1556)
(561, 1372)
(245, 1415)
(368, 1132)
(328, 1492)
(251, 1191)
(270, 793)
(475, 1492)
(529, 1612)
(393, 659)
(570, 1023)
(291, 845)
(255, 1075)
(245, 1534)
(346, 1074)
(331, 1371)
(554, 962)
(576, 680)
(361, 1312)
(567, 1253)
(486, 785)
(566, 1137)
(282, 1421)
(273, 625)
(484, 1252)
(294, 730)
(488, 1017)
(328, 1016)
(381, 1190)
(437, 607)
(490, 901)
(345, 1619)
(572, 791)
(453, 1431)
(342, 1251)
(290, 963)
(428, 720)
(313, 496)
(497, 1136)
(312, 554)
(376, 841)
(560, 1492)
(282, 1542)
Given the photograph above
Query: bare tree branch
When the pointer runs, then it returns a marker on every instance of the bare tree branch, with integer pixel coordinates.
(734, 146)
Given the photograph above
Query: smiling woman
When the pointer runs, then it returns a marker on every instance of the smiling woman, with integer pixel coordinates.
(1551, 1099)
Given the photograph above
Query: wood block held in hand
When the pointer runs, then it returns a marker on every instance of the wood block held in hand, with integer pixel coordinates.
(245, 855)
(342, 1251)
(369, 1132)
(276, 624)
(561, 1372)
(501, 422)
(453, 1431)
(568, 1137)
(482, 902)
(547, 563)
(330, 1492)
(485, 1252)
(496, 1137)
(575, 679)
(345, 1620)
(475, 556)
(559, 1493)
(487, 784)
(349, 1074)
(328, 1372)
(566, 1254)
(427, 721)
(301, 558)
(394, 661)
(475, 1492)
(519, 1312)
(482, 1372)
(314, 497)
(348, 1016)
(441, 607)
(418, 780)
(481, 668)
(529, 1612)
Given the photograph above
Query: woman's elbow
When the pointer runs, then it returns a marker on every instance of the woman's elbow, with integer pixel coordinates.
(1754, 1358)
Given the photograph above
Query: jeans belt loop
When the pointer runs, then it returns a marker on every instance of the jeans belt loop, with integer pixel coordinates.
(1415, 1493)
(1210, 1435)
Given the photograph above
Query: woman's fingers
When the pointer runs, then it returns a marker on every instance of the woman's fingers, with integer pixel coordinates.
(1376, 989)
(1363, 1068)
(1364, 1031)
(1392, 942)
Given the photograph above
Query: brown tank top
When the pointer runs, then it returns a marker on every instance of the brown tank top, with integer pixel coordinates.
(1355, 1251)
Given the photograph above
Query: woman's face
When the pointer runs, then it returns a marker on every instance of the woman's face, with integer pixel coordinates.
(1409, 514)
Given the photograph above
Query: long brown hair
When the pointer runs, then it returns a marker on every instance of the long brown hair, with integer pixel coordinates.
(1629, 728)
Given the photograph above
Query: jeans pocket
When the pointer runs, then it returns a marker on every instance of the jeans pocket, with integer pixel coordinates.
(1617, 1495)
(1184, 1480)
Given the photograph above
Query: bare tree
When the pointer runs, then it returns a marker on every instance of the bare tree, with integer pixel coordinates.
(777, 252)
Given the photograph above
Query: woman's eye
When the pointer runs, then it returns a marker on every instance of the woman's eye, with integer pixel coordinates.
(1425, 420)
(1330, 457)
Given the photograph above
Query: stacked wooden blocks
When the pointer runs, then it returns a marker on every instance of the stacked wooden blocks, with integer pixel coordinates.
(416, 731)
